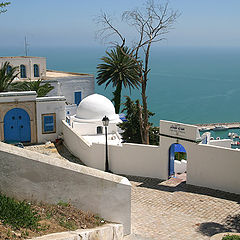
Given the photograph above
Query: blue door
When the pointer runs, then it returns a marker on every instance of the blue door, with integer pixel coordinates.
(78, 97)
(17, 126)
(171, 160)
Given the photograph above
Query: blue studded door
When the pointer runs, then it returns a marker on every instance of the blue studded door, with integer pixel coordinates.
(17, 126)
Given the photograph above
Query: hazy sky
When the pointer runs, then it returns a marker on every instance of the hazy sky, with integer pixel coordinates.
(70, 22)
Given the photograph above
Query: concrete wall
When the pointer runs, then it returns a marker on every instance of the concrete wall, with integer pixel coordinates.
(130, 159)
(47, 105)
(214, 167)
(32, 176)
(28, 62)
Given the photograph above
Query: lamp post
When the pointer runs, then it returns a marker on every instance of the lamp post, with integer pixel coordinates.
(105, 121)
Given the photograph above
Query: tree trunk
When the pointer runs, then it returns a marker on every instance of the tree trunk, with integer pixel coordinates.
(117, 97)
(144, 98)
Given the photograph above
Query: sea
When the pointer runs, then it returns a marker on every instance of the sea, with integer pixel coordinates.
(186, 84)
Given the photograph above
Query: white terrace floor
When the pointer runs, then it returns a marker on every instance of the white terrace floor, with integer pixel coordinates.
(166, 210)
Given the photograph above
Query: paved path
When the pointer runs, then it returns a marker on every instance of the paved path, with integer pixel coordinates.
(165, 210)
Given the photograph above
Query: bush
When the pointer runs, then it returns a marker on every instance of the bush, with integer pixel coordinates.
(17, 214)
(231, 237)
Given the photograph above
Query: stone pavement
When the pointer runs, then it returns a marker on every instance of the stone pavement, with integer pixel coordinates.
(164, 210)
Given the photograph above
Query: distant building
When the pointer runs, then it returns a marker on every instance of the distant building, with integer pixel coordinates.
(74, 86)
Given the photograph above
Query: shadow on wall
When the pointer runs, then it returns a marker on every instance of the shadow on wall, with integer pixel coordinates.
(231, 224)
(172, 185)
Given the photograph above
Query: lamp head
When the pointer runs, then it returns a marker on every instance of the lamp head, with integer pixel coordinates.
(105, 121)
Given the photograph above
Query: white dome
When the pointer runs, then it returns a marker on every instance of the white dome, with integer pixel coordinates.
(95, 107)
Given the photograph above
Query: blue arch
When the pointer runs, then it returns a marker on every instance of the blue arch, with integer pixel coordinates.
(174, 148)
(17, 126)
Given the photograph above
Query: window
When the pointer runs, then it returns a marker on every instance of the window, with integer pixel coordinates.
(99, 130)
(23, 71)
(49, 123)
(9, 68)
(77, 97)
(36, 70)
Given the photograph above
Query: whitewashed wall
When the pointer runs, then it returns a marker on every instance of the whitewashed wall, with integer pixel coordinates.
(208, 166)
(90, 128)
(68, 85)
(33, 176)
(47, 105)
(221, 143)
(131, 159)
(214, 167)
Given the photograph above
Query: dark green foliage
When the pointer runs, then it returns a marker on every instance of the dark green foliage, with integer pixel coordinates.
(40, 88)
(231, 237)
(2, 6)
(131, 130)
(7, 75)
(180, 155)
(17, 214)
(120, 70)
(154, 135)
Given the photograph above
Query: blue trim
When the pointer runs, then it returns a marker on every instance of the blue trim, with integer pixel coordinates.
(23, 71)
(36, 70)
(48, 124)
(77, 97)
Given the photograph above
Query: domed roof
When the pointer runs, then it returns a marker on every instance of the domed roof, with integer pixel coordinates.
(95, 107)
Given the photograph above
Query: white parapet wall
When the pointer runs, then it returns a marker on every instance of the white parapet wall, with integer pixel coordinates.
(129, 159)
(33, 176)
(214, 167)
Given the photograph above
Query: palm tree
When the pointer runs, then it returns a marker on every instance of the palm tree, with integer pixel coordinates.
(7, 75)
(120, 70)
(41, 89)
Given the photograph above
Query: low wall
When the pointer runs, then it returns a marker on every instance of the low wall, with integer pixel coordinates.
(221, 143)
(106, 232)
(214, 167)
(138, 160)
(129, 159)
(33, 176)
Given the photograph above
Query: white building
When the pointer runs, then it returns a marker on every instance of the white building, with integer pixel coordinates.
(88, 120)
(73, 86)
(26, 118)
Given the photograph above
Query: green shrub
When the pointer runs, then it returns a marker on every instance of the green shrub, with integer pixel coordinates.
(18, 214)
(231, 237)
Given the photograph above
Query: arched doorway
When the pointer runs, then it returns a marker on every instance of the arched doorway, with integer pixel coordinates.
(17, 126)
(177, 159)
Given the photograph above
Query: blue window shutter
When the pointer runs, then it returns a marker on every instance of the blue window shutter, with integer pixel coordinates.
(78, 97)
(36, 70)
(48, 124)
(9, 68)
(23, 71)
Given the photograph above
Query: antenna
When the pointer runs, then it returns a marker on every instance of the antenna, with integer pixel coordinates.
(26, 44)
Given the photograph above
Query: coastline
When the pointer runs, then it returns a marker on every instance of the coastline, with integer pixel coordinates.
(212, 125)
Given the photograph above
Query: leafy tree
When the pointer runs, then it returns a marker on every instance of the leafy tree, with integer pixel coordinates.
(2, 6)
(131, 131)
(7, 75)
(120, 70)
(40, 88)
(151, 24)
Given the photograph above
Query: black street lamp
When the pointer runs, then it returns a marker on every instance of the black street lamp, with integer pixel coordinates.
(105, 121)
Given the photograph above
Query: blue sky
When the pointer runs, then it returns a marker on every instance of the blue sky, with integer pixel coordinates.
(70, 23)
